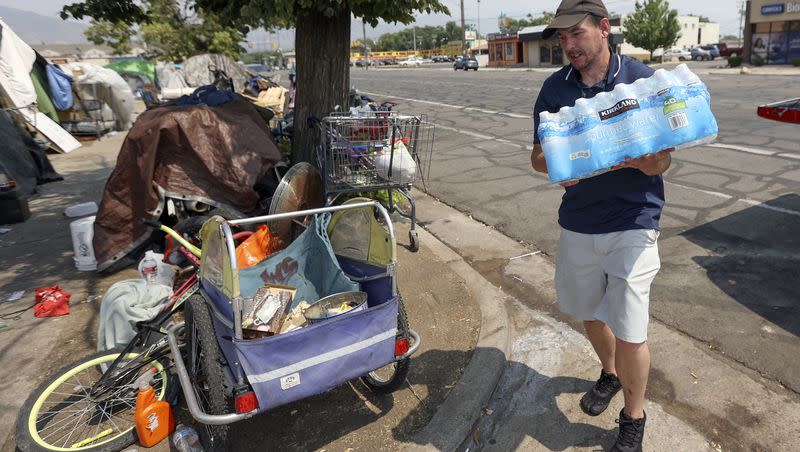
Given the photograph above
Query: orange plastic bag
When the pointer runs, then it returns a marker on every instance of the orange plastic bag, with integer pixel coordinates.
(256, 248)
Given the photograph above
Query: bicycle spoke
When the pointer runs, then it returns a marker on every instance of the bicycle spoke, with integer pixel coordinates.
(64, 420)
(73, 429)
(80, 383)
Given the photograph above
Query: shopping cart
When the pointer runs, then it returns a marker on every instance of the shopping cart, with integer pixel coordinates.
(369, 152)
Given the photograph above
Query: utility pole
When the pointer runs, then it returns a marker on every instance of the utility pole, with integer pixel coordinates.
(479, 23)
(364, 44)
(741, 18)
(414, 31)
(463, 30)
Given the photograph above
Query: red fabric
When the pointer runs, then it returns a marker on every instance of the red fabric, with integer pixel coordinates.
(51, 302)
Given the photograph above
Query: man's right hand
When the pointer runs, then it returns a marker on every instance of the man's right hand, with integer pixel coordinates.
(540, 164)
(538, 161)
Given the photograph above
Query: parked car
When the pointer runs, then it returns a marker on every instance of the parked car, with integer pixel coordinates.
(726, 51)
(712, 49)
(465, 63)
(699, 54)
(258, 68)
(411, 61)
(680, 54)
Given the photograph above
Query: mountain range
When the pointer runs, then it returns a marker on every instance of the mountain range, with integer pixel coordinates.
(36, 29)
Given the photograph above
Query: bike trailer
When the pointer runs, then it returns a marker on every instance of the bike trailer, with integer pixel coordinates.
(320, 356)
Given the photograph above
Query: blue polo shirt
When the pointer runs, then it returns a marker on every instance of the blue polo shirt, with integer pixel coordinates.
(614, 201)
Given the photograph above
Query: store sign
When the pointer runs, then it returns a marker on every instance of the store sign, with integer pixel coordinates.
(772, 9)
(793, 7)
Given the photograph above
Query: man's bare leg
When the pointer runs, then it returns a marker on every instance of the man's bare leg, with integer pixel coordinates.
(633, 367)
(604, 343)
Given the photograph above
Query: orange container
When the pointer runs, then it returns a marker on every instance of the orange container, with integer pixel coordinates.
(153, 417)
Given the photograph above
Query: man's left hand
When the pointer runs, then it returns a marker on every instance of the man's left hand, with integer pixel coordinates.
(650, 164)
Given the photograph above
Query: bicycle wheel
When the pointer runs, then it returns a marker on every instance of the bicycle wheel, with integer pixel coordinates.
(389, 378)
(207, 372)
(63, 413)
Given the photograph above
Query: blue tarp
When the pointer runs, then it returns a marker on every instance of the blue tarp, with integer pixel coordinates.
(60, 87)
(208, 95)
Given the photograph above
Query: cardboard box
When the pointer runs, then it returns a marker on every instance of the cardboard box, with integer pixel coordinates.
(267, 308)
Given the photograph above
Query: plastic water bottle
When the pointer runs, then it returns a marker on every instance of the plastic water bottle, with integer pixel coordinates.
(186, 439)
(149, 268)
(82, 209)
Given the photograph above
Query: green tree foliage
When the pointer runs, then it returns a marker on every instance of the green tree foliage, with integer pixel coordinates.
(515, 25)
(169, 33)
(652, 25)
(428, 37)
(117, 35)
(322, 41)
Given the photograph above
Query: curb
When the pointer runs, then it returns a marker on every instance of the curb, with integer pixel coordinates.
(455, 418)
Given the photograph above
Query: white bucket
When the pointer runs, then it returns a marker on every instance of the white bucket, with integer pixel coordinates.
(82, 232)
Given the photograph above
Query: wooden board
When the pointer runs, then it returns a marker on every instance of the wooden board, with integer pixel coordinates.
(59, 138)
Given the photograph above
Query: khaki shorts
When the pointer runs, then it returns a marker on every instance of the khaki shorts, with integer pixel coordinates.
(607, 277)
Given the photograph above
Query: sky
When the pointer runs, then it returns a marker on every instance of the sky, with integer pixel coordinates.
(484, 13)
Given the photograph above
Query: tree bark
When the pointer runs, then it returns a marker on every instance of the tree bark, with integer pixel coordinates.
(323, 74)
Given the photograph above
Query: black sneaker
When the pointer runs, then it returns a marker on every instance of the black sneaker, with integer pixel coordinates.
(597, 399)
(631, 432)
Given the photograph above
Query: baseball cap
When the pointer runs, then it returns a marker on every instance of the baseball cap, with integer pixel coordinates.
(570, 12)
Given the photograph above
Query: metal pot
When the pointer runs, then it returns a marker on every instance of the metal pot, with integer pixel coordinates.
(328, 307)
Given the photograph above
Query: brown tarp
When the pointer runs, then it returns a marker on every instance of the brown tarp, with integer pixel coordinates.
(209, 154)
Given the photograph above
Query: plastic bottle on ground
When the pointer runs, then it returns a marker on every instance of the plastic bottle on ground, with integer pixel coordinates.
(149, 268)
(185, 439)
(79, 210)
(153, 418)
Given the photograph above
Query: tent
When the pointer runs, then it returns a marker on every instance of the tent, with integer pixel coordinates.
(214, 155)
(138, 66)
(17, 89)
(196, 70)
(21, 159)
(93, 81)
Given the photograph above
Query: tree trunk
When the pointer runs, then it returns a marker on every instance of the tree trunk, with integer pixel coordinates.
(323, 74)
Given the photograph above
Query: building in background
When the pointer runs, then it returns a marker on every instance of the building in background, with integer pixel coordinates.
(505, 50)
(693, 33)
(88, 53)
(772, 32)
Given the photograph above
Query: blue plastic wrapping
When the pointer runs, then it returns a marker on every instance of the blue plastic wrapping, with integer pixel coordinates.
(668, 109)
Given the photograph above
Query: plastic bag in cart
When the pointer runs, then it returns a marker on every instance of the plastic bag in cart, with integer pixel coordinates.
(399, 161)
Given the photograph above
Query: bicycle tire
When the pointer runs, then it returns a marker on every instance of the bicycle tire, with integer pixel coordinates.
(207, 372)
(29, 436)
(397, 371)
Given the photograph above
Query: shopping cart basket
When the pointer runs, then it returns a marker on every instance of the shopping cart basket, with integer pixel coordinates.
(380, 150)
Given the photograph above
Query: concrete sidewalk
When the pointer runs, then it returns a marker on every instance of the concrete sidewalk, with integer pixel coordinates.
(697, 399)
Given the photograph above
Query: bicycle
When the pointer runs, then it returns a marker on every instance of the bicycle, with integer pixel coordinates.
(88, 405)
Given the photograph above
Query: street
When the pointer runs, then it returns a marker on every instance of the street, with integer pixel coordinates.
(729, 239)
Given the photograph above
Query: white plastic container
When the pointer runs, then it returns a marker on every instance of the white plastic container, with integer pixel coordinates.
(82, 232)
(80, 210)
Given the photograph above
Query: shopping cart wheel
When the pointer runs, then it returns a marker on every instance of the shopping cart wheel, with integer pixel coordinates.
(413, 240)
(389, 378)
(206, 371)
